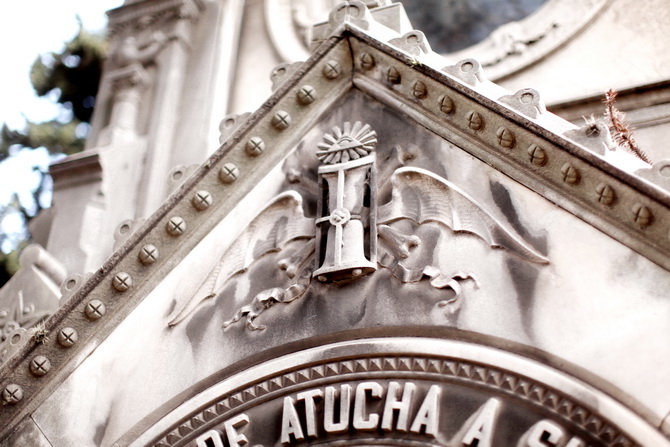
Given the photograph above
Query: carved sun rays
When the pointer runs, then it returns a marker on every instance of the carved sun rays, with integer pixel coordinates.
(349, 143)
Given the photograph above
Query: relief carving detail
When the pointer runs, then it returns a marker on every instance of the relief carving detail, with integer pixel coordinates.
(351, 236)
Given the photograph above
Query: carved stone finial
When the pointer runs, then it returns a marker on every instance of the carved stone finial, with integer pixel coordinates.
(526, 101)
(230, 124)
(594, 134)
(367, 14)
(658, 174)
(413, 42)
(468, 70)
(124, 230)
(70, 285)
(12, 337)
(353, 11)
(282, 72)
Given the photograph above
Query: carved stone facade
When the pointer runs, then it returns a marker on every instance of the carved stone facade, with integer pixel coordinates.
(391, 250)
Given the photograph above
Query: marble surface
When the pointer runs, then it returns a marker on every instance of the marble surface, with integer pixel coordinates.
(595, 303)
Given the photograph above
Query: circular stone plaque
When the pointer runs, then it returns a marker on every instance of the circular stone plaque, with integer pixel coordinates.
(400, 392)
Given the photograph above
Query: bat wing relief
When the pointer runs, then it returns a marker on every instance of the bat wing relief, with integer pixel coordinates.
(281, 222)
(341, 242)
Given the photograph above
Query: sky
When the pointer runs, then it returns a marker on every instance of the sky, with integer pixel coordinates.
(29, 28)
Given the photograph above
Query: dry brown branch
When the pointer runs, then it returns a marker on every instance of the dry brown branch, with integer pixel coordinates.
(619, 127)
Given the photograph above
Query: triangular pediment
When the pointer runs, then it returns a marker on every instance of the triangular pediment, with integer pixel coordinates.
(437, 124)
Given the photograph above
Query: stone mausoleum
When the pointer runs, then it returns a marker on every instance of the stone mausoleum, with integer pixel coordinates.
(411, 238)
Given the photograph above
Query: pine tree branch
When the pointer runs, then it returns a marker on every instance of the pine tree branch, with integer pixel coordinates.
(619, 127)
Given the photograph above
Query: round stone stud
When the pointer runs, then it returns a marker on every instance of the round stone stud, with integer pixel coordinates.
(12, 393)
(94, 310)
(537, 155)
(148, 254)
(447, 105)
(122, 281)
(201, 200)
(570, 174)
(67, 337)
(605, 194)
(255, 146)
(506, 138)
(642, 215)
(393, 76)
(40, 365)
(419, 90)
(176, 226)
(281, 120)
(475, 120)
(332, 69)
(306, 94)
(229, 173)
(367, 61)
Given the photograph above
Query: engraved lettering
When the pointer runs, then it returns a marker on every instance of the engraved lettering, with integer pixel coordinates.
(231, 426)
(392, 403)
(575, 442)
(213, 435)
(544, 433)
(548, 434)
(361, 421)
(405, 409)
(329, 423)
(290, 424)
(428, 415)
(310, 409)
(482, 425)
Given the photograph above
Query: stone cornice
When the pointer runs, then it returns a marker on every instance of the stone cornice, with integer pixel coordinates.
(78, 168)
(146, 12)
(529, 150)
(617, 202)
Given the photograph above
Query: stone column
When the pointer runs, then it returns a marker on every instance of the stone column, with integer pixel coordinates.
(165, 116)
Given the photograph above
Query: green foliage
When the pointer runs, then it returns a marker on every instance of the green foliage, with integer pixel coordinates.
(10, 263)
(57, 137)
(72, 78)
(75, 73)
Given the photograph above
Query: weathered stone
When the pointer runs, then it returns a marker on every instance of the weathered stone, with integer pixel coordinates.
(381, 245)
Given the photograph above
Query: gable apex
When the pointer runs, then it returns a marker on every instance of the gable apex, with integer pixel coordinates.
(578, 169)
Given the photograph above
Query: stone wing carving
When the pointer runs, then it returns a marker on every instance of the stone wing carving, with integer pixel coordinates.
(417, 194)
(422, 196)
(280, 222)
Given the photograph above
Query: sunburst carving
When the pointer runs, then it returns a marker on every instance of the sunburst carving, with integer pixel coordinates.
(348, 143)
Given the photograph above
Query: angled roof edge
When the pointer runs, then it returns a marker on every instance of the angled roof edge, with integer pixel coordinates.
(473, 117)
(572, 167)
(174, 229)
